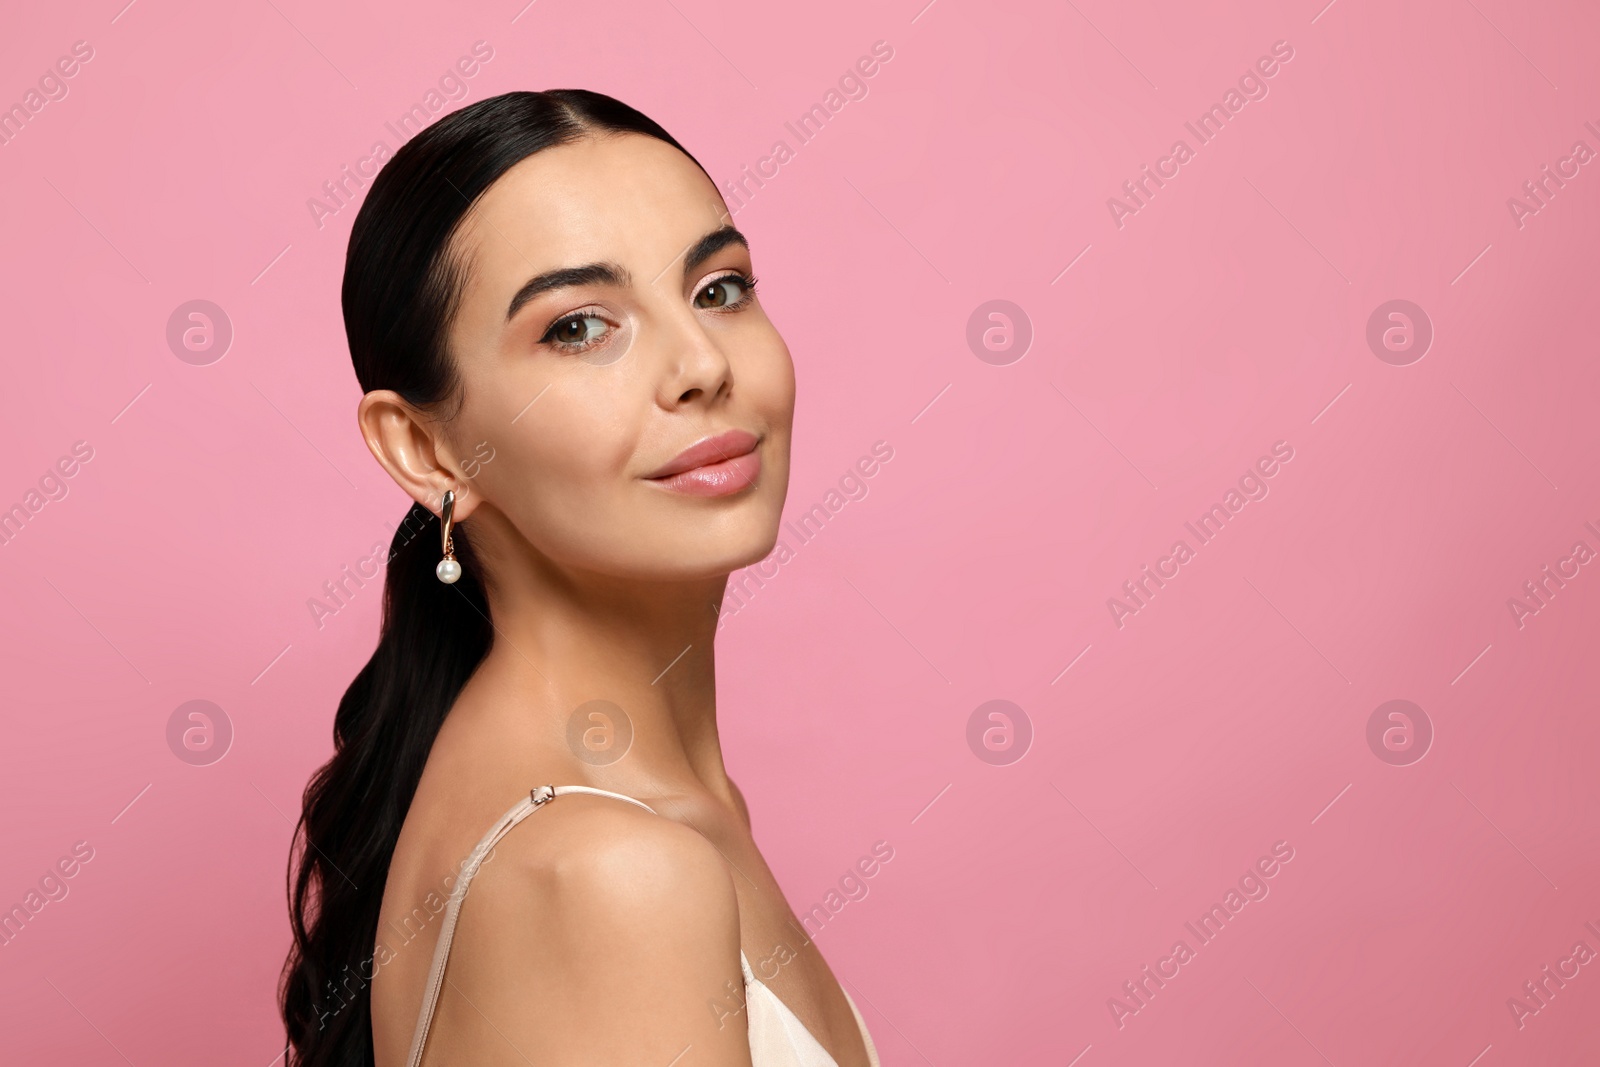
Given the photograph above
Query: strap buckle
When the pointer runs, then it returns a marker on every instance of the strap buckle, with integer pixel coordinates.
(542, 794)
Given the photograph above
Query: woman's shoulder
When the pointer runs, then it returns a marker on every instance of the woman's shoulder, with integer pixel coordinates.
(621, 925)
(585, 851)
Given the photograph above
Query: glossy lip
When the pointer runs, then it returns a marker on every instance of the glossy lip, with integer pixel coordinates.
(724, 465)
(730, 444)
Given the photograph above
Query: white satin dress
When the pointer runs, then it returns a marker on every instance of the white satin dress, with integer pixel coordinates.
(777, 1036)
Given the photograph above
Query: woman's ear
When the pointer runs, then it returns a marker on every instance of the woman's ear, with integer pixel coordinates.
(412, 449)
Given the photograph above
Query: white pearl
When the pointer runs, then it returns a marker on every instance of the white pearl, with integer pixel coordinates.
(448, 571)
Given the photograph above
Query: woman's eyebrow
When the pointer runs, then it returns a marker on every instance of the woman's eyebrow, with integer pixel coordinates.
(564, 277)
(614, 275)
(710, 245)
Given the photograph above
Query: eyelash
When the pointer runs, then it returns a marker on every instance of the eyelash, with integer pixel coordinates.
(747, 282)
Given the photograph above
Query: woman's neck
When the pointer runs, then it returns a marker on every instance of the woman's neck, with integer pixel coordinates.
(563, 639)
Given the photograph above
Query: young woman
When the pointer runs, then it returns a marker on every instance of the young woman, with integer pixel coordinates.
(565, 363)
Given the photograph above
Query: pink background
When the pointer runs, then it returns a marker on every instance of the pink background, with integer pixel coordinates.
(1229, 313)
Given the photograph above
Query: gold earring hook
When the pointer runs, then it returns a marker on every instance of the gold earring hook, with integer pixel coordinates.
(447, 510)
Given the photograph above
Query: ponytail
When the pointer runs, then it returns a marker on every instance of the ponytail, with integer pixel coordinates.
(402, 283)
(433, 637)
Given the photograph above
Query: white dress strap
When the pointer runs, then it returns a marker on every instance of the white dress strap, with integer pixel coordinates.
(536, 799)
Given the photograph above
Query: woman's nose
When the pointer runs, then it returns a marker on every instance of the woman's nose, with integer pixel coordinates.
(696, 368)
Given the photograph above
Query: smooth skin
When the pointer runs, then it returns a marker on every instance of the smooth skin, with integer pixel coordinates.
(598, 932)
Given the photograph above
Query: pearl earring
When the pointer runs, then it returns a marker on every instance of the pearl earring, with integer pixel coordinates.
(448, 570)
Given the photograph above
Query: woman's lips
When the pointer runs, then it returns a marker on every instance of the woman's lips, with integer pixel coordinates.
(716, 466)
(715, 479)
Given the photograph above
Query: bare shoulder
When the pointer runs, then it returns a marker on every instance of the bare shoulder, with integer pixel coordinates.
(598, 932)
(596, 857)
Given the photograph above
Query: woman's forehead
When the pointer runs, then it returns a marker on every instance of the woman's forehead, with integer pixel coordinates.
(613, 197)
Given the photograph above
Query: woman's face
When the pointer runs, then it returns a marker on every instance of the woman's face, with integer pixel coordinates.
(606, 326)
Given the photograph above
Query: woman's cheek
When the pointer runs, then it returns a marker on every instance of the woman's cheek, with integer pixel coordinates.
(780, 392)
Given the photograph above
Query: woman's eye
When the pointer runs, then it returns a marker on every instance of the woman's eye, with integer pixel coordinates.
(576, 331)
(729, 291)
